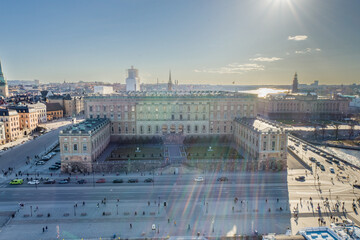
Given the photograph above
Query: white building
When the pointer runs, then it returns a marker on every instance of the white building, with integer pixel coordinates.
(133, 80)
(103, 90)
(2, 133)
(41, 111)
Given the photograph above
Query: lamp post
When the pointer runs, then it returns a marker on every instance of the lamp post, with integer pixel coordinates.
(31, 211)
(117, 209)
(92, 166)
(74, 210)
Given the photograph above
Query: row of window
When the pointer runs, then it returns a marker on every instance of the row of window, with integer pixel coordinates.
(164, 108)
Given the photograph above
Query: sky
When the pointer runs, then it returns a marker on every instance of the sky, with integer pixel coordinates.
(241, 42)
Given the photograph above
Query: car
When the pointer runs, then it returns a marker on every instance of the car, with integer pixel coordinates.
(58, 163)
(17, 181)
(118, 181)
(222, 179)
(57, 150)
(199, 179)
(149, 180)
(101, 180)
(52, 154)
(332, 170)
(312, 159)
(328, 161)
(133, 180)
(46, 158)
(64, 181)
(50, 181)
(33, 182)
(323, 155)
(81, 181)
(322, 167)
(356, 185)
(300, 178)
(54, 167)
(40, 163)
(341, 167)
(318, 164)
(336, 161)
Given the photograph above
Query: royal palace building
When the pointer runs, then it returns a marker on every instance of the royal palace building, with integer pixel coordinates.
(158, 113)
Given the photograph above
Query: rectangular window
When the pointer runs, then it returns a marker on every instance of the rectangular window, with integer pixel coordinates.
(119, 129)
(84, 147)
(264, 147)
(65, 147)
(188, 128)
(91, 108)
(75, 147)
(172, 117)
(273, 146)
(181, 117)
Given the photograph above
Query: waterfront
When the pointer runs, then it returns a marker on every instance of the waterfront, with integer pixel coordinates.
(262, 92)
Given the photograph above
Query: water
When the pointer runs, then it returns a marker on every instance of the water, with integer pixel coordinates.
(352, 156)
(262, 92)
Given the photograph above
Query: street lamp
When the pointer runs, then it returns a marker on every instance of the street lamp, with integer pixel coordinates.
(74, 210)
(117, 209)
(92, 166)
(31, 211)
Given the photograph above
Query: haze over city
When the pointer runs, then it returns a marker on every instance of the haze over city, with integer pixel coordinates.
(207, 42)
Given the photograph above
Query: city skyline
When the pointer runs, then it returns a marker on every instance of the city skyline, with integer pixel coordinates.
(202, 42)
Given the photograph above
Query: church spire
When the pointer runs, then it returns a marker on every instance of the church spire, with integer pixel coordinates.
(295, 86)
(170, 82)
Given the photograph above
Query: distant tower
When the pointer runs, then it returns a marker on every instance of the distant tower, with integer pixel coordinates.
(295, 85)
(170, 85)
(133, 80)
(4, 91)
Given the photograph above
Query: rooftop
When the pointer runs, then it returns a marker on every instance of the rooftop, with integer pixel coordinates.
(319, 233)
(175, 94)
(260, 125)
(86, 127)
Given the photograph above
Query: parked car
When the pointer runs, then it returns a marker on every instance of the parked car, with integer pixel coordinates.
(318, 164)
(149, 180)
(17, 181)
(300, 178)
(332, 170)
(199, 179)
(54, 167)
(50, 181)
(101, 180)
(57, 150)
(46, 158)
(328, 161)
(33, 182)
(341, 167)
(58, 163)
(81, 181)
(312, 159)
(322, 167)
(64, 181)
(118, 181)
(40, 163)
(133, 180)
(222, 179)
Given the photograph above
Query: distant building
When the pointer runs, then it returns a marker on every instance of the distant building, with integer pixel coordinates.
(303, 107)
(10, 118)
(4, 91)
(41, 111)
(262, 141)
(28, 118)
(295, 85)
(72, 105)
(103, 90)
(82, 143)
(54, 111)
(133, 80)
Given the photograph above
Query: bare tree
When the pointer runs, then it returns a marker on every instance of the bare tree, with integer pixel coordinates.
(336, 130)
(351, 130)
(323, 129)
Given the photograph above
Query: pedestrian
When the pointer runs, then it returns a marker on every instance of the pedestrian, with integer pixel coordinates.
(168, 220)
(130, 226)
(97, 205)
(46, 228)
(43, 229)
(83, 203)
(175, 223)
